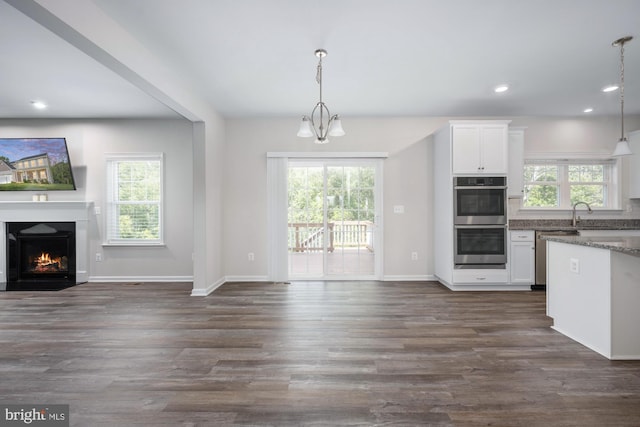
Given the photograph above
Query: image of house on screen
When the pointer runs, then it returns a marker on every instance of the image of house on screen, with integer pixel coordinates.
(35, 168)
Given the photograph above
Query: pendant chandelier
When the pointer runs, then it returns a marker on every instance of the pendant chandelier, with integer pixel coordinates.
(622, 147)
(320, 123)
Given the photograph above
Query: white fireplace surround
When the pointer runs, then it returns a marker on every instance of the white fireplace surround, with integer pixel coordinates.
(77, 212)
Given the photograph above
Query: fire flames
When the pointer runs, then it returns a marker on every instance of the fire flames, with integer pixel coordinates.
(45, 263)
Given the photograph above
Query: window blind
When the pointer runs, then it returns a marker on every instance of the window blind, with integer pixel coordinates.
(134, 199)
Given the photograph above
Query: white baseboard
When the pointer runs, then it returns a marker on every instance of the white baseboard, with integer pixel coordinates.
(209, 289)
(415, 278)
(223, 280)
(397, 278)
(115, 279)
(247, 279)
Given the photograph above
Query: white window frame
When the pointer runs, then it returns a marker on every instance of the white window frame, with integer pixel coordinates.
(277, 196)
(111, 237)
(611, 181)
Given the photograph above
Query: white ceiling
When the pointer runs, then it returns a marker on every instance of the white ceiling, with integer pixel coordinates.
(254, 58)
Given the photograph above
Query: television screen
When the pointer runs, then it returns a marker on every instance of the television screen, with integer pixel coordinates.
(35, 164)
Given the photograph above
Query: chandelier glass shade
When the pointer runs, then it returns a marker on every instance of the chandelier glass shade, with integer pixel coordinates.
(320, 123)
(622, 147)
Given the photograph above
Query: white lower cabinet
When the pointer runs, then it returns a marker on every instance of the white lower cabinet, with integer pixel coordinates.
(522, 256)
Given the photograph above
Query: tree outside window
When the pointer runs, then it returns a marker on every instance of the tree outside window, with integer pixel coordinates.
(134, 211)
(562, 183)
(541, 186)
(587, 184)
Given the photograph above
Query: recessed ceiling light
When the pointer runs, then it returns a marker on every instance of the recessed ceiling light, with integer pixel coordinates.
(501, 88)
(39, 105)
(587, 110)
(610, 88)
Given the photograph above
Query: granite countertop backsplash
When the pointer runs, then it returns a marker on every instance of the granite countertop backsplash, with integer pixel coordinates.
(583, 224)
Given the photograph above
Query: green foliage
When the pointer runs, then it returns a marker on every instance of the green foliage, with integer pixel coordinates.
(592, 194)
(61, 173)
(586, 173)
(28, 186)
(540, 173)
(139, 221)
(139, 181)
(541, 196)
(542, 188)
(138, 196)
(350, 193)
(586, 184)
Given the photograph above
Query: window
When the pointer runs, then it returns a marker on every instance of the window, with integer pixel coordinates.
(561, 183)
(134, 199)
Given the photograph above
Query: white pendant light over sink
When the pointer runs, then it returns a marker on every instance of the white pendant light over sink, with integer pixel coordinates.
(320, 123)
(622, 147)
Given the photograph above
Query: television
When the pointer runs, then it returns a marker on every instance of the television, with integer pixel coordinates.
(35, 164)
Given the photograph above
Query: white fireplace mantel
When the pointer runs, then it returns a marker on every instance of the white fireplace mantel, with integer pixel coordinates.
(50, 211)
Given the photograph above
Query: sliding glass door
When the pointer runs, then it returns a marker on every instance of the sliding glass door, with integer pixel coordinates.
(333, 219)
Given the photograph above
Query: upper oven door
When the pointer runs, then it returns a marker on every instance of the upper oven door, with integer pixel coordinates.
(480, 205)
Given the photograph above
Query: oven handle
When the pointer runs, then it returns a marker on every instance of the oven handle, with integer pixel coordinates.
(481, 187)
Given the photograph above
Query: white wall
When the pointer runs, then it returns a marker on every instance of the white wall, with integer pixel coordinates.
(576, 135)
(235, 188)
(407, 179)
(88, 141)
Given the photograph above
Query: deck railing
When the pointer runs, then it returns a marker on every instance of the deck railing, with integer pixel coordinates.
(344, 234)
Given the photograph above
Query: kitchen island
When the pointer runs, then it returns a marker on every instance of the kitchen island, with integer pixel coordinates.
(593, 292)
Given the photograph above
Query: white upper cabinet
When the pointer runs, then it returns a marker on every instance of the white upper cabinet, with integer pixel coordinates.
(480, 149)
(634, 165)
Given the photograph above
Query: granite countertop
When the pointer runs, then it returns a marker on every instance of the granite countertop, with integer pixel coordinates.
(627, 245)
(565, 224)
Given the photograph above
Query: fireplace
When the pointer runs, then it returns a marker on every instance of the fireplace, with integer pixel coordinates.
(41, 255)
(47, 213)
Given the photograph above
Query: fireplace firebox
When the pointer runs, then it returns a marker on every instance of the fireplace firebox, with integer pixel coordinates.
(41, 255)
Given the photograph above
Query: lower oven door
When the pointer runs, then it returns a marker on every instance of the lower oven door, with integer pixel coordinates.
(480, 245)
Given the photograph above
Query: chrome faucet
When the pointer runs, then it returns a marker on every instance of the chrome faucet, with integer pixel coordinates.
(575, 220)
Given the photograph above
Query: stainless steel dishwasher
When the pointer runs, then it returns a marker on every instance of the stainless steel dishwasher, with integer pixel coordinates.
(541, 252)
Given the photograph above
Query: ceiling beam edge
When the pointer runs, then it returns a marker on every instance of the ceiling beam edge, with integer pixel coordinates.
(66, 31)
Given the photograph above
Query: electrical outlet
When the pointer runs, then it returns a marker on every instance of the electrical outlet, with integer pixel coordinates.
(97, 210)
(98, 257)
(251, 256)
(414, 256)
(574, 265)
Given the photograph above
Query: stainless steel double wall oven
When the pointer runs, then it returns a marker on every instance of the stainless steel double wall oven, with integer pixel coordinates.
(480, 221)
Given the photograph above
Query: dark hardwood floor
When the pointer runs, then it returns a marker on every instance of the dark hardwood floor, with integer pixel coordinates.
(338, 353)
